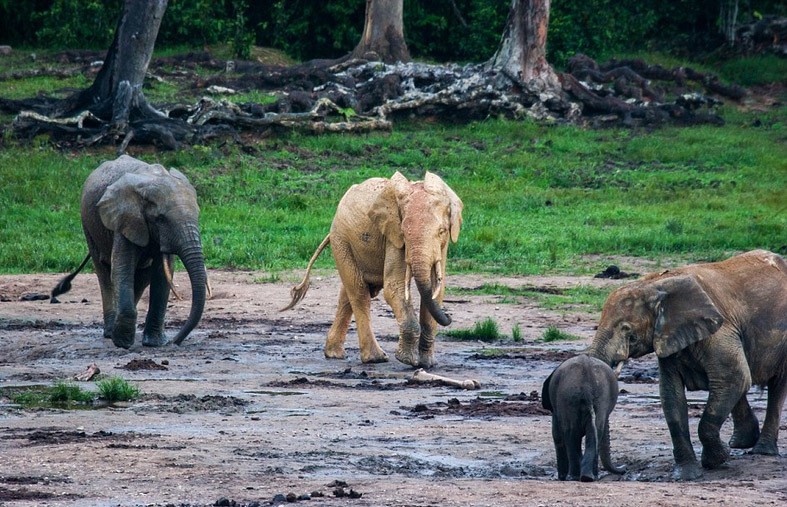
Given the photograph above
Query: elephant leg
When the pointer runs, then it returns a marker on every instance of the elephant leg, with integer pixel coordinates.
(103, 272)
(361, 303)
(426, 341)
(589, 463)
(153, 334)
(560, 450)
(125, 257)
(728, 381)
(672, 392)
(334, 344)
(777, 391)
(746, 428)
(573, 440)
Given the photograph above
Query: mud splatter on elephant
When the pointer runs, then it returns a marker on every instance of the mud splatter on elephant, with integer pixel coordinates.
(387, 232)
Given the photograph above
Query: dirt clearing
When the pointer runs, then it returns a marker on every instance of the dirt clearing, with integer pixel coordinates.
(248, 411)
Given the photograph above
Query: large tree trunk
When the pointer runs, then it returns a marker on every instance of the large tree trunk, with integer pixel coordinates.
(383, 32)
(522, 50)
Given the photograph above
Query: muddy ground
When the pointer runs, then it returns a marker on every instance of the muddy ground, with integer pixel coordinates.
(247, 411)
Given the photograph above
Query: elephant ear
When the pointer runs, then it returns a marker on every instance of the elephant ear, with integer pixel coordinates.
(433, 183)
(684, 315)
(545, 401)
(121, 208)
(385, 213)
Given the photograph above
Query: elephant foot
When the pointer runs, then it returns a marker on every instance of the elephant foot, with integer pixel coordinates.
(587, 478)
(407, 356)
(123, 334)
(427, 360)
(687, 471)
(377, 356)
(715, 456)
(744, 438)
(766, 448)
(334, 352)
(154, 340)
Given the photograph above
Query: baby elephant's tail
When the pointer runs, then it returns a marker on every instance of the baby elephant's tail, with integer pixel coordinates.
(64, 285)
(300, 290)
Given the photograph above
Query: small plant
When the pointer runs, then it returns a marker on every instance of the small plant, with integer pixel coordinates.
(553, 334)
(486, 331)
(516, 333)
(67, 393)
(116, 389)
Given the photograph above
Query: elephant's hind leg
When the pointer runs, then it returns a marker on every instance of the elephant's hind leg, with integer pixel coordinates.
(746, 429)
(768, 441)
(334, 344)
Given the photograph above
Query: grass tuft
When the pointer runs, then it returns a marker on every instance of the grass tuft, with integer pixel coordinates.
(486, 330)
(553, 334)
(114, 389)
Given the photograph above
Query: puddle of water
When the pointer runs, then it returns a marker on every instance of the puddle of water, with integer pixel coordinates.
(275, 393)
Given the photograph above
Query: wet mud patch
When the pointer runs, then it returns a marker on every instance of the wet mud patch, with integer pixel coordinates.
(185, 403)
(57, 436)
(11, 495)
(143, 364)
(441, 468)
(366, 383)
(520, 405)
(527, 354)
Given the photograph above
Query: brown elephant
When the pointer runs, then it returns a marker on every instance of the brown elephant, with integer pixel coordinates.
(135, 217)
(720, 327)
(385, 233)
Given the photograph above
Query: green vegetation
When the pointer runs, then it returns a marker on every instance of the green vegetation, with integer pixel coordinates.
(114, 389)
(547, 297)
(485, 331)
(553, 334)
(62, 395)
(516, 333)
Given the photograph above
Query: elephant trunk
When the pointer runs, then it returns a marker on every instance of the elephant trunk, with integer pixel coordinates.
(426, 280)
(600, 346)
(191, 256)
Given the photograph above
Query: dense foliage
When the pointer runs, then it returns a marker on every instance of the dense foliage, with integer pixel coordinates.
(459, 30)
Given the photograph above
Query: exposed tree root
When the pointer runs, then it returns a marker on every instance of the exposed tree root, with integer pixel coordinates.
(347, 95)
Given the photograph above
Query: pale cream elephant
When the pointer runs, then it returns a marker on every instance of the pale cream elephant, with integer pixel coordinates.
(385, 233)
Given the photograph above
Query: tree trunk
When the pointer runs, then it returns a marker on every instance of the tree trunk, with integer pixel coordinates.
(522, 50)
(116, 94)
(383, 33)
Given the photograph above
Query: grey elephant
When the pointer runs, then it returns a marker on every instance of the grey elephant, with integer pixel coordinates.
(385, 233)
(135, 217)
(720, 327)
(581, 394)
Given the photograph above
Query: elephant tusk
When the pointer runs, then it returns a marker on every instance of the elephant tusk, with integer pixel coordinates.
(619, 367)
(168, 274)
(408, 276)
(439, 272)
(207, 285)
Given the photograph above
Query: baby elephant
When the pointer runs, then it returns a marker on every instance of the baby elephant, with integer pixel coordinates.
(581, 394)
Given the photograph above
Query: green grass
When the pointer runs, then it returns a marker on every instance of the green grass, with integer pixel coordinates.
(62, 395)
(114, 389)
(486, 331)
(553, 334)
(537, 198)
(552, 298)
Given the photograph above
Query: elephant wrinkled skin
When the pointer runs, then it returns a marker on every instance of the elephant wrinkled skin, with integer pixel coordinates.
(720, 327)
(135, 217)
(385, 233)
(581, 394)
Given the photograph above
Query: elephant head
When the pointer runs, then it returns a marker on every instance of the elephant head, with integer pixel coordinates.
(421, 217)
(657, 314)
(157, 211)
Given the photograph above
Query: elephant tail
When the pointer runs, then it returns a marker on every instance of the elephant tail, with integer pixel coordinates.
(64, 285)
(299, 291)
